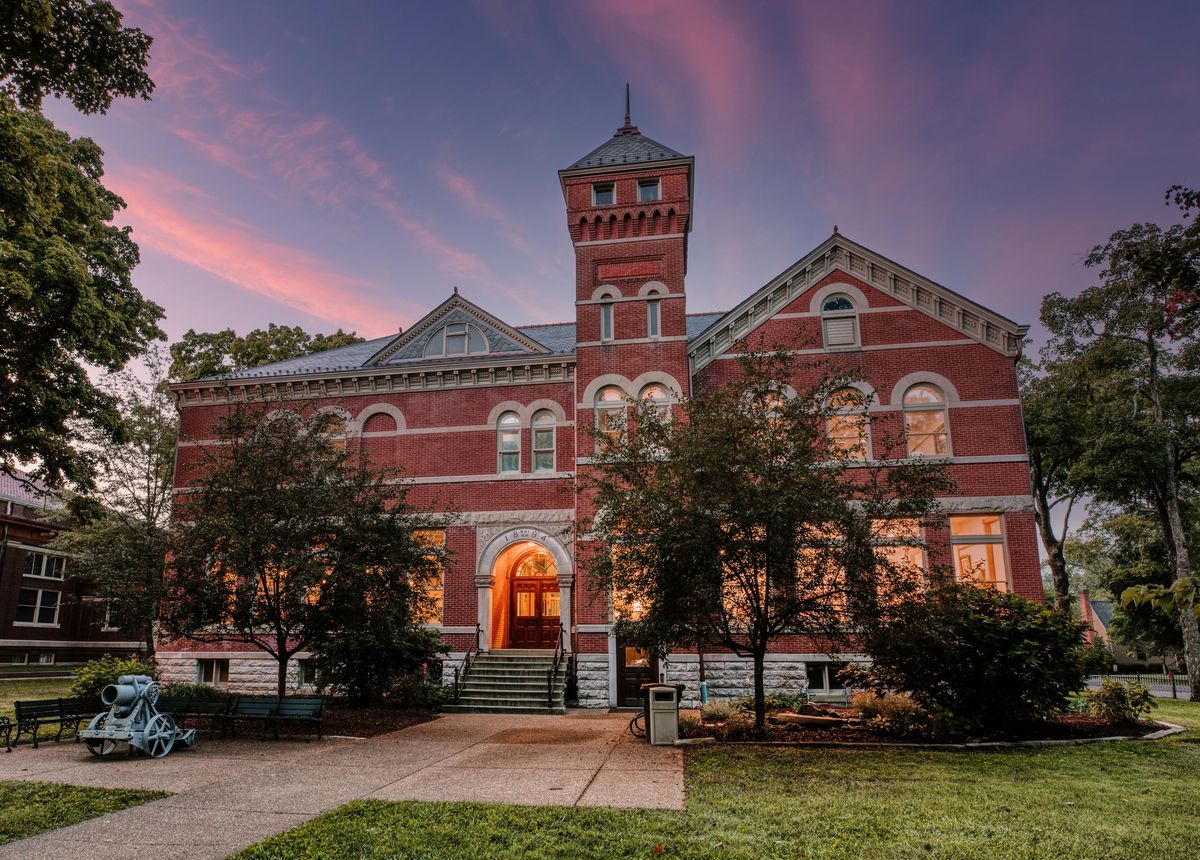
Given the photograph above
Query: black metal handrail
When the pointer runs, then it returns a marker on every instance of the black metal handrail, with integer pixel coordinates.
(466, 663)
(552, 673)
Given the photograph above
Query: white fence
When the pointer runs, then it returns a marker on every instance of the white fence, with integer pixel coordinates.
(1163, 686)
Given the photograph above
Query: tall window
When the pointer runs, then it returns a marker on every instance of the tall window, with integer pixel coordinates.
(456, 339)
(657, 399)
(839, 321)
(978, 544)
(925, 421)
(652, 318)
(606, 321)
(37, 606)
(543, 441)
(610, 414)
(899, 545)
(508, 443)
(44, 565)
(435, 541)
(846, 427)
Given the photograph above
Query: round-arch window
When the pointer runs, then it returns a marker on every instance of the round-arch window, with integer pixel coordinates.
(846, 425)
(543, 441)
(657, 398)
(508, 443)
(925, 421)
(837, 303)
(610, 414)
(610, 394)
(924, 394)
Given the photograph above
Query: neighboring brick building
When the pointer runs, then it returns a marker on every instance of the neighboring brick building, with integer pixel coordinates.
(490, 420)
(47, 617)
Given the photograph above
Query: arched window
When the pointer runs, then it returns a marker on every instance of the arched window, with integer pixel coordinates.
(846, 425)
(652, 314)
(508, 443)
(456, 339)
(839, 321)
(610, 414)
(925, 421)
(606, 320)
(543, 441)
(657, 399)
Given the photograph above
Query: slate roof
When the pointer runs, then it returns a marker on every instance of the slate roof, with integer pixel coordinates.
(627, 147)
(559, 338)
(1103, 610)
(13, 488)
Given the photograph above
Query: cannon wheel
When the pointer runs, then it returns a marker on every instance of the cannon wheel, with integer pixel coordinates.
(159, 735)
(100, 746)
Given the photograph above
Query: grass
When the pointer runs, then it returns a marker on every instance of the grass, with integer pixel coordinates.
(30, 808)
(21, 689)
(1123, 800)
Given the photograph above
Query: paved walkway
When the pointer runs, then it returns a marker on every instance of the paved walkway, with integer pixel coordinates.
(230, 794)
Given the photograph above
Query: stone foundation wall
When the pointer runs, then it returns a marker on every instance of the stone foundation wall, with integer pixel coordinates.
(733, 678)
(248, 673)
(591, 674)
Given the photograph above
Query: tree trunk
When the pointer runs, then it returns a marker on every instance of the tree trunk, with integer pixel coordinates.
(283, 663)
(1054, 549)
(760, 693)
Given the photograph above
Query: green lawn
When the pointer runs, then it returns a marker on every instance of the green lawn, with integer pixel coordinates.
(1124, 800)
(30, 808)
(13, 690)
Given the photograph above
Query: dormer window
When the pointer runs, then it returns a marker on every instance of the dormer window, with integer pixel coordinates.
(648, 191)
(456, 339)
(604, 195)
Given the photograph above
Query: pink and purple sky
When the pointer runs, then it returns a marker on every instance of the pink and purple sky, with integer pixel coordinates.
(346, 164)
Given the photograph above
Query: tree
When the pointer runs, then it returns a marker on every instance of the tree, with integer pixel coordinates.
(1053, 403)
(67, 300)
(201, 354)
(119, 540)
(71, 48)
(741, 522)
(284, 538)
(1149, 391)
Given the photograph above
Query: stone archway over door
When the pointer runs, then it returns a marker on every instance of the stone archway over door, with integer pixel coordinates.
(498, 601)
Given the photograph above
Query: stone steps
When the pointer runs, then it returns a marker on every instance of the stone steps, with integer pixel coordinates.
(511, 682)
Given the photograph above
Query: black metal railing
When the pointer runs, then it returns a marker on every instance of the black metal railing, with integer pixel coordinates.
(460, 679)
(552, 672)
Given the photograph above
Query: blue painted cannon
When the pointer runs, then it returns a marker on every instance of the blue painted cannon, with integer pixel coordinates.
(133, 717)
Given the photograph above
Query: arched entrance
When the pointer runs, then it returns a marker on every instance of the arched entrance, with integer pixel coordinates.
(524, 583)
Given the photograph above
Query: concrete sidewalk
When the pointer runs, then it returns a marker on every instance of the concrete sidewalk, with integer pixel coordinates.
(233, 793)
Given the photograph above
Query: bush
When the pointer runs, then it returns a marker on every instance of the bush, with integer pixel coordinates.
(719, 710)
(774, 702)
(976, 659)
(689, 726)
(739, 726)
(893, 713)
(1121, 703)
(419, 691)
(94, 675)
(179, 689)
(368, 666)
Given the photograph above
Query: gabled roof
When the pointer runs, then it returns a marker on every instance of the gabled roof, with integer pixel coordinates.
(1104, 611)
(501, 337)
(839, 253)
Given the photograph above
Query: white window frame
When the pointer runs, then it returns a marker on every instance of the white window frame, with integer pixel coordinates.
(303, 665)
(860, 411)
(1001, 540)
(214, 662)
(41, 661)
(38, 606)
(444, 332)
(544, 421)
(606, 321)
(508, 431)
(43, 564)
(942, 407)
(827, 317)
(14, 661)
(607, 186)
(656, 184)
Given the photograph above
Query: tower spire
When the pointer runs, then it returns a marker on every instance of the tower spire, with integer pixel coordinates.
(629, 127)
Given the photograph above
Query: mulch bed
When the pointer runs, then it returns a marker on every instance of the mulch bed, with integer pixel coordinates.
(1065, 727)
(367, 722)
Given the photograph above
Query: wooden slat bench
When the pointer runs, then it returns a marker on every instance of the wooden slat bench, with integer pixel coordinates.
(269, 712)
(306, 710)
(32, 715)
(248, 709)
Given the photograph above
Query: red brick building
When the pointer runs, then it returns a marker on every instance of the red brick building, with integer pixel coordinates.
(491, 420)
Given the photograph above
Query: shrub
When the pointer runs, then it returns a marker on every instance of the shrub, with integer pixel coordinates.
(1121, 703)
(689, 726)
(369, 665)
(774, 702)
(719, 710)
(196, 691)
(894, 713)
(975, 658)
(419, 691)
(94, 675)
(739, 726)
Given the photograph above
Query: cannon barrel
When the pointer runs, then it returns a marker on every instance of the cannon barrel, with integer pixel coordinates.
(126, 691)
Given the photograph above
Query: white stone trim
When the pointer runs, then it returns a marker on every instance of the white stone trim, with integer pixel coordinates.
(356, 426)
(986, 504)
(594, 628)
(588, 399)
(962, 404)
(502, 407)
(492, 476)
(605, 293)
(632, 340)
(646, 288)
(661, 296)
(928, 344)
(917, 377)
(562, 516)
(69, 643)
(656, 237)
(854, 293)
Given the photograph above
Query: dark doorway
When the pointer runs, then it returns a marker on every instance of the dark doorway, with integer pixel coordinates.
(634, 668)
(535, 612)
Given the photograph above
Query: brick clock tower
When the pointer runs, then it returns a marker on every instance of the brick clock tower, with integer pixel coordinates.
(629, 205)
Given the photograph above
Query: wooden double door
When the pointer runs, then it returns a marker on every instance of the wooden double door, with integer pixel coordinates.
(535, 612)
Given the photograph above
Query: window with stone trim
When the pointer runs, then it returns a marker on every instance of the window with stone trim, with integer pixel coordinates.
(435, 590)
(846, 426)
(543, 433)
(610, 415)
(652, 318)
(606, 321)
(925, 426)
(823, 677)
(215, 673)
(648, 190)
(508, 443)
(604, 194)
(977, 542)
(839, 322)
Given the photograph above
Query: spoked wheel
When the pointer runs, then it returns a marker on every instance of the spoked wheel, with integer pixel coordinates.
(99, 746)
(159, 735)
